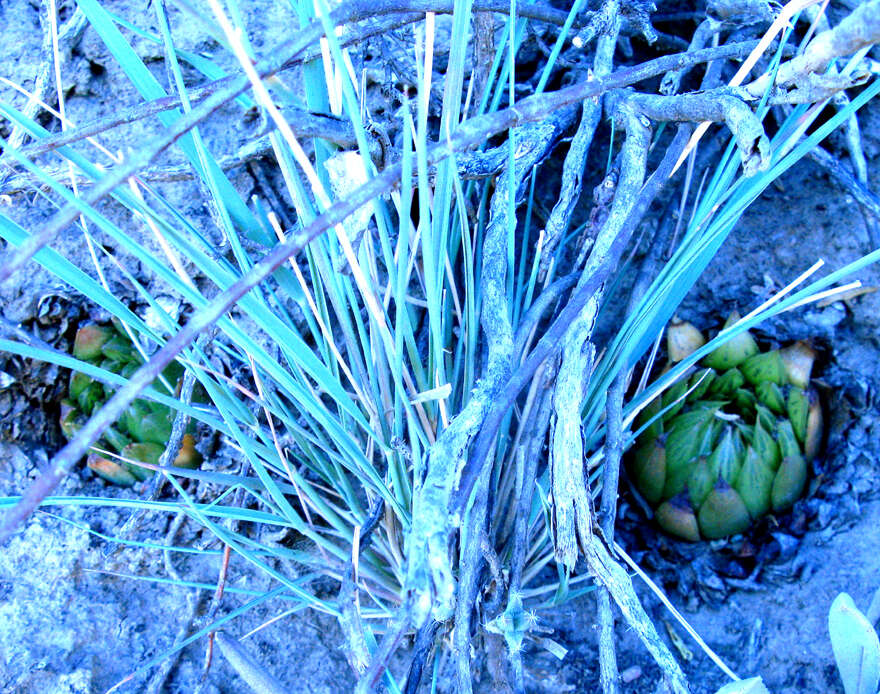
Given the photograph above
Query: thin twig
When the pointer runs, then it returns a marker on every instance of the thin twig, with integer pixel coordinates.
(704, 32)
(609, 573)
(859, 29)
(304, 123)
(209, 616)
(350, 620)
(382, 655)
(542, 302)
(572, 182)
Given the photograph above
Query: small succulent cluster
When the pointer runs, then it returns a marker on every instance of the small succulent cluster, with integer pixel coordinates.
(736, 438)
(143, 430)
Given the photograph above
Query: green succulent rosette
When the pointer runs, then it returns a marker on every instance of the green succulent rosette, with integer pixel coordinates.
(142, 432)
(735, 438)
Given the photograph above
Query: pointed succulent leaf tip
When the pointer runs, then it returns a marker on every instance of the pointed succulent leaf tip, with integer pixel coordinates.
(78, 383)
(798, 406)
(755, 484)
(156, 428)
(727, 383)
(798, 362)
(745, 400)
(700, 383)
(813, 431)
(709, 436)
(789, 483)
(677, 518)
(118, 349)
(723, 513)
(727, 458)
(788, 444)
(649, 470)
(701, 481)
(682, 339)
(115, 438)
(89, 339)
(765, 417)
(766, 447)
(767, 366)
(71, 421)
(90, 397)
(735, 350)
(770, 395)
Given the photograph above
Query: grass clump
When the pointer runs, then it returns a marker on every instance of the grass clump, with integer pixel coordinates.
(414, 385)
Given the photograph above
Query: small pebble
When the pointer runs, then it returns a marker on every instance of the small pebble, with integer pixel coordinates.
(631, 674)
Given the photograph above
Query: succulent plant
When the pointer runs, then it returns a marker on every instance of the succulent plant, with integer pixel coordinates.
(143, 430)
(736, 438)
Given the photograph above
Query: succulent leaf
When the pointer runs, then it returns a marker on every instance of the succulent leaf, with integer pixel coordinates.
(765, 417)
(78, 383)
(788, 443)
(813, 432)
(700, 383)
(754, 484)
(701, 481)
(682, 339)
(673, 398)
(767, 366)
(798, 362)
(798, 406)
(677, 477)
(110, 470)
(789, 483)
(733, 352)
(115, 438)
(746, 401)
(727, 383)
(650, 412)
(89, 340)
(723, 513)
(649, 470)
(677, 517)
(118, 349)
(728, 456)
(766, 447)
(770, 395)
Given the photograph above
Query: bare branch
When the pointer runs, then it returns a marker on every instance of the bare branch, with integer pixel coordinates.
(861, 28)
